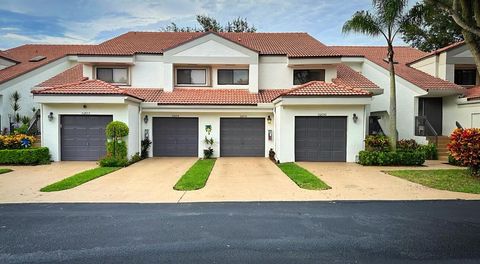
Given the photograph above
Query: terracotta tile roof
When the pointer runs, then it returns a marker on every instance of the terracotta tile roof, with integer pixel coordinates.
(88, 87)
(346, 76)
(290, 44)
(440, 50)
(24, 53)
(403, 55)
(472, 93)
(7, 56)
(72, 75)
(319, 88)
(206, 96)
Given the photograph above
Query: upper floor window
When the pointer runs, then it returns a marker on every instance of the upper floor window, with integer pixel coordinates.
(191, 77)
(112, 75)
(465, 76)
(233, 77)
(304, 76)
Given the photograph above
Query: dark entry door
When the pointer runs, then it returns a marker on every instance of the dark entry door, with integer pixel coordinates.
(319, 138)
(242, 137)
(175, 137)
(83, 136)
(431, 108)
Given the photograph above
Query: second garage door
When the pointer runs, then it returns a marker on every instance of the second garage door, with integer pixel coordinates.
(175, 137)
(320, 138)
(242, 137)
(83, 136)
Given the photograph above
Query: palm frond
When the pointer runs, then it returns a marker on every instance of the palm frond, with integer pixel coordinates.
(390, 10)
(363, 22)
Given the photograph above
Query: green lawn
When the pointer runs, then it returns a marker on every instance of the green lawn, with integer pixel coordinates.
(457, 180)
(196, 177)
(78, 179)
(2, 171)
(302, 177)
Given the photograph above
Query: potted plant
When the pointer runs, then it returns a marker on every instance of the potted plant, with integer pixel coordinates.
(208, 152)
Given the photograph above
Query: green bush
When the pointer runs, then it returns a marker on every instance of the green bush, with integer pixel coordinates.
(407, 145)
(145, 147)
(23, 129)
(430, 150)
(389, 158)
(29, 156)
(377, 143)
(116, 129)
(135, 158)
(117, 149)
(110, 161)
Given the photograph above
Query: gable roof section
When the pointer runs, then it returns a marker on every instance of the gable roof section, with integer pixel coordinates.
(438, 51)
(289, 44)
(88, 87)
(24, 53)
(72, 75)
(319, 88)
(346, 76)
(472, 93)
(403, 55)
(5, 55)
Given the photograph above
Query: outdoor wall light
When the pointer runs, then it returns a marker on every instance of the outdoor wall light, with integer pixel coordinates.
(145, 119)
(269, 120)
(355, 118)
(50, 116)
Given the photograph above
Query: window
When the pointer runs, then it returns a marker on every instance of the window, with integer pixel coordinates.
(304, 76)
(237, 77)
(465, 76)
(113, 75)
(192, 76)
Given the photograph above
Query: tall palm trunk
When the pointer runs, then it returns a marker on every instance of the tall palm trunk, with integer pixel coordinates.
(393, 99)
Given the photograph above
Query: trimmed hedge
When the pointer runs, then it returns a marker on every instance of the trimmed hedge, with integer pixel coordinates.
(399, 158)
(29, 156)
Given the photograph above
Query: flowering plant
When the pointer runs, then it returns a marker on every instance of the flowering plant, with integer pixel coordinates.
(16, 141)
(464, 147)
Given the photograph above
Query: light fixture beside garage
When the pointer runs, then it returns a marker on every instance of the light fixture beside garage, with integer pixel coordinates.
(355, 118)
(145, 119)
(50, 116)
(269, 120)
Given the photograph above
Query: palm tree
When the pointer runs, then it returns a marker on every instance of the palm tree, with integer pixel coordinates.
(385, 21)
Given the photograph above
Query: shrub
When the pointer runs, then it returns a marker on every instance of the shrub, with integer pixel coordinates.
(29, 156)
(23, 129)
(407, 145)
(377, 143)
(17, 141)
(430, 150)
(117, 148)
(116, 129)
(111, 161)
(390, 158)
(464, 147)
(145, 146)
(135, 158)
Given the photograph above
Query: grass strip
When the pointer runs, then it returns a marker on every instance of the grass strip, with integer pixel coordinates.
(196, 177)
(78, 179)
(302, 177)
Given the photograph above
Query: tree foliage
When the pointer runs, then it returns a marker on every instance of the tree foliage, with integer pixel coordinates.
(429, 28)
(386, 20)
(208, 23)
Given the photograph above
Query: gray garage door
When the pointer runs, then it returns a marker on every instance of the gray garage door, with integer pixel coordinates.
(320, 138)
(175, 137)
(83, 137)
(242, 137)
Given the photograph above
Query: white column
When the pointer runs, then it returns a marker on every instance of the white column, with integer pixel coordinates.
(253, 78)
(168, 77)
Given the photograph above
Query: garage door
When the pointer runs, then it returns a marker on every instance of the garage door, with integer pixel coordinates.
(320, 138)
(175, 137)
(83, 137)
(242, 137)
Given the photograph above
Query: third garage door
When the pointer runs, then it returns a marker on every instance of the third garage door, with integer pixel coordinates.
(175, 137)
(319, 138)
(242, 137)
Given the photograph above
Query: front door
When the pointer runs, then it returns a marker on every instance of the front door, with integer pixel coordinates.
(431, 108)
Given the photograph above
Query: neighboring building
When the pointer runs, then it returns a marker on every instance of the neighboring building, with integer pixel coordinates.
(250, 92)
(23, 67)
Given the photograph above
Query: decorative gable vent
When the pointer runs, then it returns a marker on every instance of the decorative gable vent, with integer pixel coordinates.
(37, 58)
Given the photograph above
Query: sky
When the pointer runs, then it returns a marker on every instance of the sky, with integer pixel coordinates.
(94, 21)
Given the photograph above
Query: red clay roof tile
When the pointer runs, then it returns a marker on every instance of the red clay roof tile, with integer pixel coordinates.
(472, 93)
(346, 76)
(403, 55)
(72, 75)
(319, 88)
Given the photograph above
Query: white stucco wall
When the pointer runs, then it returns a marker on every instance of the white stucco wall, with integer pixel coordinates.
(285, 127)
(24, 84)
(213, 119)
(127, 113)
(465, 112)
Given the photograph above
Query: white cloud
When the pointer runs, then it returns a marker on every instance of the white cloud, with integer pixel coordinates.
(41, 39)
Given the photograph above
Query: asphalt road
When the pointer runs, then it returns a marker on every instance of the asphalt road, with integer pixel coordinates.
(293, 232)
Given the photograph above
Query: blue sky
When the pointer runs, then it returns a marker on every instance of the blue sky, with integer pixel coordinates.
(93, 21)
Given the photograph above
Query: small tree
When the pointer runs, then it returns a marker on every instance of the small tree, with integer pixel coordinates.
(464, 147)
(15, 104)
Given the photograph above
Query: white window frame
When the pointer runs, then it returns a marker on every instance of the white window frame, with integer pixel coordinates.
(207, 76)
(113, 67)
